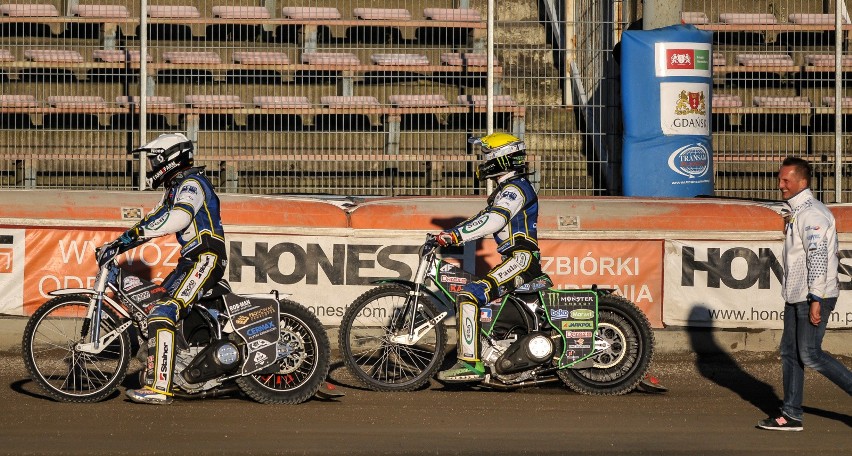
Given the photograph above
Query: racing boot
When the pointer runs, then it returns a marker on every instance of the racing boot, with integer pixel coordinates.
(469, 367)
(161, 357)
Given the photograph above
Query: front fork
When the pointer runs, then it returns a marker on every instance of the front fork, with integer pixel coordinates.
(96, 343)
(414, 334)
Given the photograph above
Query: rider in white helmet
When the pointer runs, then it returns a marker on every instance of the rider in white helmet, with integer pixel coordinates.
(510, 216)
(189, 210)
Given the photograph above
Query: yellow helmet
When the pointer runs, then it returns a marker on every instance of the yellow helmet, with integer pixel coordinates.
(502, 153)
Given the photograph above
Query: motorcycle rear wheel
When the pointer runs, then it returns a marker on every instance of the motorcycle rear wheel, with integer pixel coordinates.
(368, 351)
(303, 360)
(620, 367)
(63, 372)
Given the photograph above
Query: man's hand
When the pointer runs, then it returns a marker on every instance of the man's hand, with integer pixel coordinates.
(814, 313)
(107, 252)
(446, 238)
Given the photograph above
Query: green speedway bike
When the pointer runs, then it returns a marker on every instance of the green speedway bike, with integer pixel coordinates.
(394, 336)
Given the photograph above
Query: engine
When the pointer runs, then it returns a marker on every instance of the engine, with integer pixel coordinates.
(514, 355)
(197, 365)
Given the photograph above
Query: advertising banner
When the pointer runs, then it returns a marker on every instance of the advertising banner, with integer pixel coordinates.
(736, 284)
(666, 95)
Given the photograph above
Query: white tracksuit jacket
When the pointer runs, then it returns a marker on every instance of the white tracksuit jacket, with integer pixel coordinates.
(810, 250)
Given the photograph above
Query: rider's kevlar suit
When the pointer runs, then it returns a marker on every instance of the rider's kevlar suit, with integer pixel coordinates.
(511, 216)
(190, 210)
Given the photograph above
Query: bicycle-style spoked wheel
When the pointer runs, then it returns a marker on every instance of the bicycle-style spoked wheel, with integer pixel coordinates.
(374, 344)
(54, 361)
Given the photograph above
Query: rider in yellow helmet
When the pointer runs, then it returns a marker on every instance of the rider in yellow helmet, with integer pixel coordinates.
(510, 216)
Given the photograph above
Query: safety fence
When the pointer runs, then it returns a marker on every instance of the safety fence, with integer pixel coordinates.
(379, 98)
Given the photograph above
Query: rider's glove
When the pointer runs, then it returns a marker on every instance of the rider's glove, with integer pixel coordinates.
(130, 236)
(446, 238)
(107, 252)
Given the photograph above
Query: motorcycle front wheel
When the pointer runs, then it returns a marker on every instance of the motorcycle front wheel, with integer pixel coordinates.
(54, 360)
(303, 360)
(626, 334)
(372, 344)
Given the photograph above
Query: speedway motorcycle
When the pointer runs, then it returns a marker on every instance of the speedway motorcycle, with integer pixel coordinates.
(393, 337)
(78, 345)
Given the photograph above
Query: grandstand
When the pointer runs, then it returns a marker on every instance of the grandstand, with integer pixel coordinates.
(378, 98)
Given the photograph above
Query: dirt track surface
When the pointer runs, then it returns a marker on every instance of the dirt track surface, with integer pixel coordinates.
(711, 408)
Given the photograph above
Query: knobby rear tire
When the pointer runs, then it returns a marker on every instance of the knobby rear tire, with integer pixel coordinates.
(619, 369)
(304, 354)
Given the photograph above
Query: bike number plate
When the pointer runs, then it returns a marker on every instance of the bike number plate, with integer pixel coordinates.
(574, 315)
(256, 321)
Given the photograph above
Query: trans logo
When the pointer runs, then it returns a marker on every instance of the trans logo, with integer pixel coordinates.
(692, 161)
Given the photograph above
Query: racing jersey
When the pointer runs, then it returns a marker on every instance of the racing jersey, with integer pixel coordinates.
(190, 210)
(810, 250)
(511, 216)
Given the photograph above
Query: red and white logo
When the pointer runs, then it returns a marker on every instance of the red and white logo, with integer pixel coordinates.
(680, 59)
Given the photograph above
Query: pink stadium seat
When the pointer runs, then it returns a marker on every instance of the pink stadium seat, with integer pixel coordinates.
(481, 100)
(18, 101)
(350, 101)
(173, 11)
(309, 12)
(719, 59)
(827, 60)
(77, 102)
(119, 11)
(29, 10)
(6, 56)
(465, 59)
(179, 57)
(53, 55)
(452, 14)
(125, 101)
(273, 102)
(748, 18)
(391, 14)
(782, 102)
(330, 58)
(845, 102)
(261, 58)
(764, 60)
(694, 17)
(418, 101)
(721, 100)
(812, 19)
(117, 56)
(213, 101)
(241, 12)
(399, 59)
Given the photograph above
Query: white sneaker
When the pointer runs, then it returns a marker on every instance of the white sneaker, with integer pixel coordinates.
(146, 395)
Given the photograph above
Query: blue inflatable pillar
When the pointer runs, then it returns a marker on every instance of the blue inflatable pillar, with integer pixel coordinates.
(666, 82)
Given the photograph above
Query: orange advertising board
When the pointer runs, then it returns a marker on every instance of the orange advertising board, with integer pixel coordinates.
(65, 258)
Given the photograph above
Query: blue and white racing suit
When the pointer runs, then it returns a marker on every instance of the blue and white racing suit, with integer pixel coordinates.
(190, 210)
(511, 217)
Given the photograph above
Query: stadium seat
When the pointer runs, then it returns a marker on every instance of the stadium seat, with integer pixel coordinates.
(719, 59)
(382, 14)
(159, 101)
(309, 12)
(28, 10)
(6, 56)
(53, 55)
(694, 17)
(748, 18)
(813, 19)
(117, 56)
(18, 101)
(173, 11)
(845, 102)
(278, 102)
(452, 14)
(241, 12)
(105, 11)
(330, 58)
(213, 101)
(764, 60)
(826, 60)
(192, 57)
(260, 58)
(399, 59)
(726, 101)
(418, 121)
(781, 102)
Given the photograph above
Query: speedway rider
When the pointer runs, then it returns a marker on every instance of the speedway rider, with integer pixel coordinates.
(511, 216)
(190, 210)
